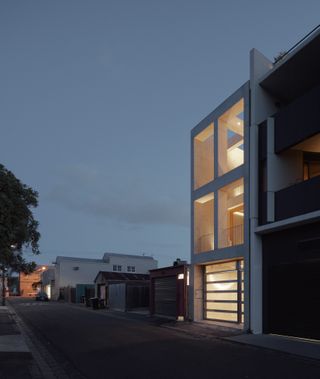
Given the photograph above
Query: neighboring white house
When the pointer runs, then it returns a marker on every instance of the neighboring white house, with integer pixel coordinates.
(72, 271)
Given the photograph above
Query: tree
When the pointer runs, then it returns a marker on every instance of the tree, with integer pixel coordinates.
(18, 228)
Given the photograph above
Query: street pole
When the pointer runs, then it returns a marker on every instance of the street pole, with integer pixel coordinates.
(3, 288)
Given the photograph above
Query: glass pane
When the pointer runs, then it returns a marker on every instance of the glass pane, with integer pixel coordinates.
(228, 275)
(204, 223)
(231, 214)
(221, 267)
(222, 296)
(203, 157)
(233, 286)
(222, 316)
(231, 132)
(222, 306)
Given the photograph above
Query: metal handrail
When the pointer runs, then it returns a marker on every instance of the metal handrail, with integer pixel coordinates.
(297, 44)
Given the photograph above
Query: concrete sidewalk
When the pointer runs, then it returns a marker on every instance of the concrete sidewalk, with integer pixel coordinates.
(16, 360)
(291, 345)
(11, 340)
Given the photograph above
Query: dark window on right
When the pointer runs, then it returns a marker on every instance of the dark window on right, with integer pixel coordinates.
(311, 165)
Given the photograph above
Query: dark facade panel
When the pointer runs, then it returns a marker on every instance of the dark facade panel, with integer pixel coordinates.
(297, 75)
(262, 208)
(291, 266)
(298, 121)
(298, 199)
(262, 154)
(262, 141)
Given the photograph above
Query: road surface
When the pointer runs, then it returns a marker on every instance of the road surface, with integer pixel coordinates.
(86, 343)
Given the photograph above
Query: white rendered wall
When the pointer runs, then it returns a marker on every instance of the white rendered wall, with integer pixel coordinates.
(262, 106)
(67, 275)
(84, 275)
(142, 265)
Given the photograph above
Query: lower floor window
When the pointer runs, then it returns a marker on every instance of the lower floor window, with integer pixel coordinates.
(224, 295)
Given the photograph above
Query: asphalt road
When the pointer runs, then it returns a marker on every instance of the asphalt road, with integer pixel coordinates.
(99, 344)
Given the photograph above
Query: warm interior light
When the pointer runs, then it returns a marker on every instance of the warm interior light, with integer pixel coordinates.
(238, 191)
(205, 198)
(223, 286)
(181, 276)
(238, 213)
(43, 267)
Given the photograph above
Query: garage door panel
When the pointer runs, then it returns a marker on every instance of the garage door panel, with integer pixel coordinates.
(294, 298)
(165, 299)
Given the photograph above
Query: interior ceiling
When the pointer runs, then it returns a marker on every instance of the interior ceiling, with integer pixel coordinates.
(311, 144)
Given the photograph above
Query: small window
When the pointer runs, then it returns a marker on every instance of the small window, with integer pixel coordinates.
(76, 268)
(131, 268)
(311, 165)
(119, 268)
(115, 268)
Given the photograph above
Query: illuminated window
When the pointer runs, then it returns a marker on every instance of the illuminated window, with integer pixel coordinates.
(203, 157)
(231, 214)
(230, 129)
(311, 165)
(224, 296)
(204, 223)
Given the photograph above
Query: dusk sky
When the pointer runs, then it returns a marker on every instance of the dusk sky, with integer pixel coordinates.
(98, 99)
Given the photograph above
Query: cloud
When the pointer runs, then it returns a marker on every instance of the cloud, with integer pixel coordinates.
(124, 199)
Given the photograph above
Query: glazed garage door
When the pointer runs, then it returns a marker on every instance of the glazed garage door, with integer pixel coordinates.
(165, 296)
(224, 291)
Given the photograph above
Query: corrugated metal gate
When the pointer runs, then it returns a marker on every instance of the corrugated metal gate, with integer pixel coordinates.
(165, 296)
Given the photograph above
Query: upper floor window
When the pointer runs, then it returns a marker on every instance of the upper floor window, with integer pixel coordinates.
(203, 157)
(230, 138)
(231, 214)
(117, 268)
(131, 269)
(311, 165)
(204, 223)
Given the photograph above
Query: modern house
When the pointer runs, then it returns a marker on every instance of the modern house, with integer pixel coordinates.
(255, 245)
(220, 200)
(71, 272)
